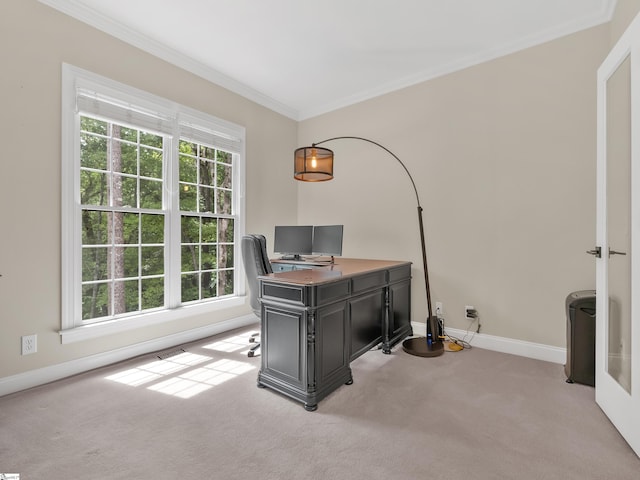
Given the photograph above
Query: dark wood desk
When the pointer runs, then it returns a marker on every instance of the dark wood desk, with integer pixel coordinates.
(315, 321)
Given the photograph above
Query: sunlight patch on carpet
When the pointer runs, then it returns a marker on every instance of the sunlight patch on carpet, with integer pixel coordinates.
(157, 369)
(231, 344)
(193, 382)
(182, 375)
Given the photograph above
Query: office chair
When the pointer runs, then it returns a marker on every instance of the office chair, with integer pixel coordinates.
(256, 263)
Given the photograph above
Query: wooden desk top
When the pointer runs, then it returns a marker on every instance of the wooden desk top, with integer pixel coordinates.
(342, 268)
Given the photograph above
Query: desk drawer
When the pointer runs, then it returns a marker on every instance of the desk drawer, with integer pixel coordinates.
(401, 273)
(331, 292)
(369, 281)
(284, 293)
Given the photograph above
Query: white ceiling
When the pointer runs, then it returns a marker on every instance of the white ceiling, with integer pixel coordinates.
(307, 57)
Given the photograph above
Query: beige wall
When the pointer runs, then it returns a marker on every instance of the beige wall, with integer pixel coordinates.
(34, 41)
(503, 155)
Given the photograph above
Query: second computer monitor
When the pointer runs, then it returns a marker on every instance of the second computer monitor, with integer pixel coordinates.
(327, 240)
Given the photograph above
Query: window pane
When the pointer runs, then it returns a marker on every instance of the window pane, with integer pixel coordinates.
(209, 230)
(117, 262)
(152, 293)
(129, 154)
(94, 264)
(150, 194)
(130, 134)
(151, 139)
(94, 227)
(190, 287)
(188, 147)
(208, 260)
(93, 188)
(206, 200)
(94, 301)
(93, 125)
(190, 229)
(150, 162)
(226, 230)
(152, 260)
(152, 228)
(207, 173)
(224, 202)
(128, 189)
(131, 292)
(188, 169)
(207, 152)
(224, 176)
(225, 282)
(190, 258)
(130, 228)
(188, 198)
(131, 261)
(208, 285)
(93, 151)
(224, 157)
(226, 256)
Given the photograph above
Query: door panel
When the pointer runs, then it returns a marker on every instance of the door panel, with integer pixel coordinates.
(618, 236)
(618, 201)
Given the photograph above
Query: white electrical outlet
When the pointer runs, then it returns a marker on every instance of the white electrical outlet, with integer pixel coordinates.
(469, 312)
(29, 344)
(439, 309)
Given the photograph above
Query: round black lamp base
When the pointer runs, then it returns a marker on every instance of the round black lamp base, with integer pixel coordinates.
(418, 346)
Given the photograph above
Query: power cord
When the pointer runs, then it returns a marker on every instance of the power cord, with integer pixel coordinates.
(454, 344)
(472, 314)
(457, 344)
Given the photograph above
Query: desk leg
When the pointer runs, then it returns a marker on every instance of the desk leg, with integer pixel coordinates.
(311, 361)
(386, 327)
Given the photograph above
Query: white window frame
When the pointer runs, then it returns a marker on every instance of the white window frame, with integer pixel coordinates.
(198, 126)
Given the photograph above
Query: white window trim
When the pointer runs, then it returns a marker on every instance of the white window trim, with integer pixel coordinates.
(74, 78)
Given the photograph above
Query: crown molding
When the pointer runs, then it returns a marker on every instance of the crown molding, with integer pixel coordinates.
(603, 16)
(108, 25)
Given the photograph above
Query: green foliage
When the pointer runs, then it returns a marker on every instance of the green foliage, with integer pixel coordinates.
(123, 251)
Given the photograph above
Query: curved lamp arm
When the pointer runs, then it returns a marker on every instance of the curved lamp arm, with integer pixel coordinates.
(420, 221)
(413, 184)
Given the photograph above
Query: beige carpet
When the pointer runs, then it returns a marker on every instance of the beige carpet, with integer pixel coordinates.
(475, 414)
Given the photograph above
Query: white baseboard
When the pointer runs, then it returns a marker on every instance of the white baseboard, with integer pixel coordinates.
(33, 378)
(538, 351)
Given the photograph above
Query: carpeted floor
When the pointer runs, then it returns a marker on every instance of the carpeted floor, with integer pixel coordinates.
(198, 414)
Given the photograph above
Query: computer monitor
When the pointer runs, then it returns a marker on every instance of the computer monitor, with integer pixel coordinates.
(291, 241)
(327, 240)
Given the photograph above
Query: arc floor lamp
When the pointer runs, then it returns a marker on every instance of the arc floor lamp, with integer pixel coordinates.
(315, 164)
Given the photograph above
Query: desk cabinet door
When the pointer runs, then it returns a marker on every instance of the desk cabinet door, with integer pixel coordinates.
(284, 352)
(400, 308)
(332, 342)
(366, 322)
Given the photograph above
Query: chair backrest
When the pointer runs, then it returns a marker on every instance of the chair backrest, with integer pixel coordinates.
(263, 250)
(256, 263)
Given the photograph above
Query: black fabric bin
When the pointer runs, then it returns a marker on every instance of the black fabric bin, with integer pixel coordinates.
(581, 337)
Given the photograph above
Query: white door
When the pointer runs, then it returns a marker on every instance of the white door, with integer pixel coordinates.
(618, 237)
